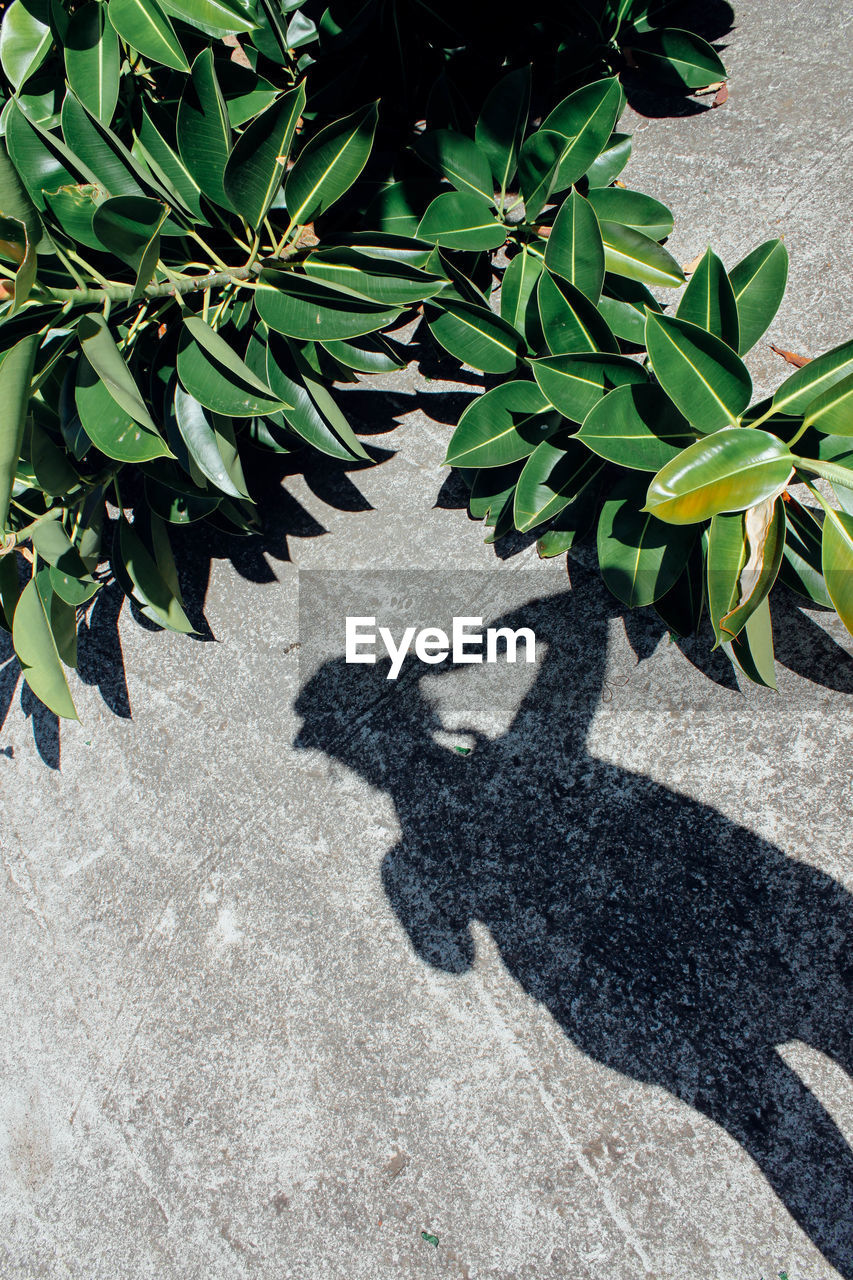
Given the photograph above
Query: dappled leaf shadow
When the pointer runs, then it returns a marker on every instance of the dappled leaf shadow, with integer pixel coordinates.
(45, 728)
(669, 943)
(100, 660)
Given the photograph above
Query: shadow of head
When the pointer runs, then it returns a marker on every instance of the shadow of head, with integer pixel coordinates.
(668, 942)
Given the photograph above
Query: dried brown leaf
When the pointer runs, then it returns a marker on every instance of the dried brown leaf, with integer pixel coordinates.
(689, 267)
(791, 356)
(722, 95)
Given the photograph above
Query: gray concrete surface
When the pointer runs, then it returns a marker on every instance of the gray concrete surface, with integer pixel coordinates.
(287, 980)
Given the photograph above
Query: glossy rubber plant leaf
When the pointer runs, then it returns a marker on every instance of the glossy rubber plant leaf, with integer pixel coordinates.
(752, 650)
(214, 17)
(570, 322)
(538, 162)
(677, 57)
(204, 130)
(501, 426)
(129, 226)
(459, 160)
(92, 61)
(150, 567)
(799, 392)
(631, 209)
(492, 487)
(383, 281)
(628, 252)
(255, 169)
(108, 424)
(329, 164)
(572, 524)
(702, 376)
(640, 557)
(16, 371)
(500, 128)
(461, 220)
(315, 311)
(519, 296)
(585, 120)
(709, 301)
(25, 40)
(575, 383)
(40, 634)
(147, 29)
(552, 477)
(623, 305)
(304, 415)
(758, 282)
(735, 468)
(207, 446)
(42, 160)
(802, 569)
(214, 375)
(99, 348)
(103, 152)
(744, 555)
(636, 426)
(574, 250)
(475, 335)
(837, 562)
(369, 354)
(163, 159)
(681, 608)
(831, 413)
(607, 166)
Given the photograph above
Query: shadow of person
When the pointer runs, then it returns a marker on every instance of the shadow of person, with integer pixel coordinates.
(669, 943)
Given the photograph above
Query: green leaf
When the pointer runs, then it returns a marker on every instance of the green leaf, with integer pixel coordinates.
(74, 211)
(759, 286)
(176, 499)
(623, 306)
(628, 252)
(396, 209)
(609, 164)
(103, 152)
(25, 41)
(519, 296)
(636, 426)
(680, 608)
(39, 630)
(369, 354)
(458, 159)
(831, 413)
(42, 160)
(317, 312)
(631, 209)
(16, 371)
(798, 393)
(586, 120)
(475, 335)
(92, 60)
(460, 220)
(14, 200)
(709, 301)
(538, 161)
(698, 371)
(802, 569)
(575, 383)
(500, 128)
(151, 569)
(837, 562)
(207, 446)
(553, 476)
(217, 378)
(640, 557)
(570, 322)
(329, 164)
(256, 167)
(744, 555)
(730, 470)
(571, 525)
(10, 590)
(306, 417)
(679, 57)
(164, 161)
(145, 27)
(383, 281)
(574, 250)
(752, 650)
(53, 470)
(73, 591)
(204, 130)
(501, 426)
(103, 355)
(129, 226)
(109, 425)
(213, 17)
(491, 490)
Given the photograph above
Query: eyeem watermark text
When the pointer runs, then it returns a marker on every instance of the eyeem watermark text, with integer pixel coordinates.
(466, 643)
